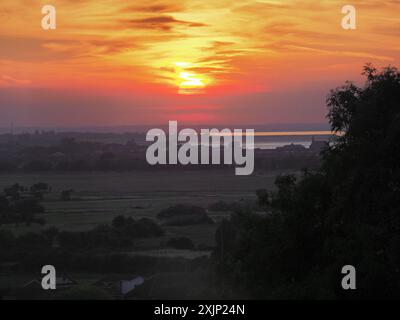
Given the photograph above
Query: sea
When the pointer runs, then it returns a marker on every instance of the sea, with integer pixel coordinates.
(273, 140)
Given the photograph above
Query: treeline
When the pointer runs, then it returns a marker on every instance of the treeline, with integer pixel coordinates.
(100, 250)
(71, 155)
(120, 234)
(281, 161)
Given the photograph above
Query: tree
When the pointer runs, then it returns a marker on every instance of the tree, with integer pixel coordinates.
(16, 207)
(51, 233)
(38, 189)
(181, 243)
(119, 221)
(345, 212)
(66, 195)
(14, 191)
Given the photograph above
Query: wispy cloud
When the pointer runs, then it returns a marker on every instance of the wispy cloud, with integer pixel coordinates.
(8, 80)
(163, 22)
(231, 46)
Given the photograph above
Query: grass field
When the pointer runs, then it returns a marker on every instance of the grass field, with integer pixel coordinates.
(99, 197)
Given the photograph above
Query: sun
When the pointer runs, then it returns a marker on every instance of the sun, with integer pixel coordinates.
(190, 80)
(187, 80)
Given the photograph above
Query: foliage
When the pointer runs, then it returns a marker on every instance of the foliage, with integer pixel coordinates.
(346, 212)
(181, 215)
(180, 243)
(38, 189)
(119, 235)
(66, 195)
(17, 205)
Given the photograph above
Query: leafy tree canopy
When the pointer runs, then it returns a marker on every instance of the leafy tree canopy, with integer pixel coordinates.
(346, 212)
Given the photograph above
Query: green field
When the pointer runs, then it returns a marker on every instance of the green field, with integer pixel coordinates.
(99, 197)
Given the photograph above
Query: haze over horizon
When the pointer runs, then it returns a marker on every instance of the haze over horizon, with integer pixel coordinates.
(284, 127)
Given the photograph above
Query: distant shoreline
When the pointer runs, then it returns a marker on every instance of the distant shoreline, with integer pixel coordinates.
(279, 127)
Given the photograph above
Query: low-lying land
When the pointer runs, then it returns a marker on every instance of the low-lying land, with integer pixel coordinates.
(84, 223)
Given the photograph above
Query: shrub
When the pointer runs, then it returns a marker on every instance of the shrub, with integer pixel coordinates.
(180, 243)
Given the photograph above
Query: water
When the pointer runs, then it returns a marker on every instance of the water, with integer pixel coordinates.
(273, 140)
(274, 145)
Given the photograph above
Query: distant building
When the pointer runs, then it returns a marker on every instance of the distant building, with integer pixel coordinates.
(318, 145)
(33, 289)
(174, 285)
(292, 148)
(61, 282)
(65, 281)
(119, 287)
(129, 285)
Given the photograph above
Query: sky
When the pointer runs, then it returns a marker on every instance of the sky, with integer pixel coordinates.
(118, 62)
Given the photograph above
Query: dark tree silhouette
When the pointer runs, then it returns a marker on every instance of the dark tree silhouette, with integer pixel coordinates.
(18, 206)
(346, 212)
(39, 189)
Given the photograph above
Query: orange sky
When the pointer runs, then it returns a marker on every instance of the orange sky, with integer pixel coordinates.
(118, 62)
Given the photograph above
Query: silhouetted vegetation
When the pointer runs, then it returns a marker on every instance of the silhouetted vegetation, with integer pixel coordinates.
(18, 206)
(66, 195)
(39, 189)
(49, 151)
(119, 235)
(80, 250)
(182, 215)
(345, 212)
(180, 243)
(96, 251)
(224, 206)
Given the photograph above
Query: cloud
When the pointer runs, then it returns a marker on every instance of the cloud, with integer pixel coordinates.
(37, 49)
(162, 22)
(154, 8)
(8, 80)
(236, 46)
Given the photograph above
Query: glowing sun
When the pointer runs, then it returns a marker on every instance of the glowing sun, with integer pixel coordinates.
(187, 80)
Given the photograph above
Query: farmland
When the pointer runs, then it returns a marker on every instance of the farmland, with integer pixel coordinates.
(99, 197)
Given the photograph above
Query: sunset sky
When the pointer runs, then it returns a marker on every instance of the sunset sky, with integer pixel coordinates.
(118, 62)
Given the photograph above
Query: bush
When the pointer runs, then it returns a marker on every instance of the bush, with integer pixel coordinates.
(181, 215)
(220, 206)
(119, 235)
(180, 243)
(66, 195)
(143, 228)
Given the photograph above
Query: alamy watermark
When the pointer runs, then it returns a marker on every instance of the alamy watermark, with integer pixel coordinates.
(349, 20)
(196, 150)
(49, 278)
(349, 280)
(49, 19)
